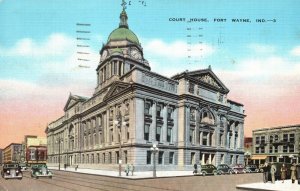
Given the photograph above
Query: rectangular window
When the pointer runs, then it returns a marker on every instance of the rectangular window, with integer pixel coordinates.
(275, 149)
(125, 157)
(291, 148)
(257, 140)
(221, 139)
(285, 148)
(256, 149)
(109, 158)
(292, 138)
(262, 150)
(98, 158)
(158, 132)
(148, 157)
(204, 138)
(192, 158)
(271, 149)
(285, 137)
(146, 132)
(169, 134)
(158, 110)
(147, 108)
(192, 135)
(103, 158)
(262, 139)
(160, 157)
(191, 88)
(111, 135)
(117, 157)
(171, 158)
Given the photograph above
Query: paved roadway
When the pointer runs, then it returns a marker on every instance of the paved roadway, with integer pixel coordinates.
(85, 182)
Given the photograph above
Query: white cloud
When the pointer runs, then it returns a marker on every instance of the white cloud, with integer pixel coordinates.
(295, 51)
(176, 49)
(55, 45)
(262, 48)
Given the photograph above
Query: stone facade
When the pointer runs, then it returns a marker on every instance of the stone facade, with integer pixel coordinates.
(12, 153)
(276, 144)
(188, 116)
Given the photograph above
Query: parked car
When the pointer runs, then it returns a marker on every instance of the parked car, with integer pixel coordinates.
(251, 168)
(40, 170)
(11, 171)
(209, 169)
(239, 168)
(224, 169)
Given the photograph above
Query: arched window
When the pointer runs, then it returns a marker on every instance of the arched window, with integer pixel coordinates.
(207, 117)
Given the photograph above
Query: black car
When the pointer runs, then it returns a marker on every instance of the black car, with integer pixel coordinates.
(209, 169)
(40, 170)
(251, 168)
(224, 169)
(11, 171)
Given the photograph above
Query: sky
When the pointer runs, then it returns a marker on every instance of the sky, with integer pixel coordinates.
(259, 62)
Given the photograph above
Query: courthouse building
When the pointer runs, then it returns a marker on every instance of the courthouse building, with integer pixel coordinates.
(188, 116)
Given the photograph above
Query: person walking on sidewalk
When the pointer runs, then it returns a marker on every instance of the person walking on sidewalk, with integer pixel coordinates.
(273, 171)
(293, 173)
(265, 172)
(127, 169)
(131, 168)
(283, 172)
(298, 173)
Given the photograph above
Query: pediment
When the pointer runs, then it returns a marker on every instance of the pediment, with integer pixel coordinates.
(209, 78)
(73, 100)
(115, 89)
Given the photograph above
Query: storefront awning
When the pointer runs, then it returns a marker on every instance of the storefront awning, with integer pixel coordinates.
(258, 157)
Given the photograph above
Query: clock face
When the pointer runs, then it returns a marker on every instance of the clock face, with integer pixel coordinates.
(104, 54)
(135, 53)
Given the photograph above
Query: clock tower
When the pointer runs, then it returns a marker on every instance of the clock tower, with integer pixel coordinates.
(120, 54)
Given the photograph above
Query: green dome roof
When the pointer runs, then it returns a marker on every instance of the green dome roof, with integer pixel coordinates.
(123, 34)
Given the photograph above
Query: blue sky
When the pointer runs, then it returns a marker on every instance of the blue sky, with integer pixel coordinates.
(259, 62)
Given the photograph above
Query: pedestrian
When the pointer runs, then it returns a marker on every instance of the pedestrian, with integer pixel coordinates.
(265, 173)
(76, 167)
(65, 166)
(298, 173)
(195, 169)
(273, 171)
(131, 168)
(127, 169)
(293, 173)
(283, 172)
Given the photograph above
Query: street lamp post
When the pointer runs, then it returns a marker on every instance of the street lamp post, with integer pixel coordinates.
(154, 150)
(59, 140)
(119, 125)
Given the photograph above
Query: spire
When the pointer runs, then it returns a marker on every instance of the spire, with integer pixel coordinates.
(123, 16)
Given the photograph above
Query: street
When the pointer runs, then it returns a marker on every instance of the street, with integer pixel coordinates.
(79, 182)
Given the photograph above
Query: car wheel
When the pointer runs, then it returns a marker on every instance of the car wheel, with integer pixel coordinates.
(230, 172)
(215, 172)
(203, 173)
(50, 177)
(245, 171)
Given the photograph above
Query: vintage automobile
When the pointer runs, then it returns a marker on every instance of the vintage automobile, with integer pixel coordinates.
(224, 169)
(209, 169)
(11, 171)
(40, 170)
(251, 168)
(239, 168)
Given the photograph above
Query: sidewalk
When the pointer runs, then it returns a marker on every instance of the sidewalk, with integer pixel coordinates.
(286, 186)
(136, 175)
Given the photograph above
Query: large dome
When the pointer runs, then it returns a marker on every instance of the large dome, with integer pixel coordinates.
(123, 34)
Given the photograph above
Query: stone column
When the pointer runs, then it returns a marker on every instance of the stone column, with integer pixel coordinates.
(165, 125)
(152, 130)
